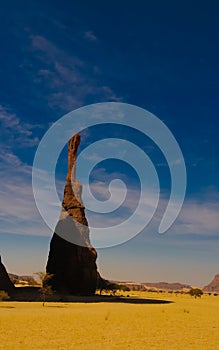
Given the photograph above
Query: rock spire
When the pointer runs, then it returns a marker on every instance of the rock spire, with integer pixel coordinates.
(72, 259)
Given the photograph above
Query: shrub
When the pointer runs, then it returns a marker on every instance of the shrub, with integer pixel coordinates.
(4, 295)
(196, 292)
(123, 288)
(46, 289)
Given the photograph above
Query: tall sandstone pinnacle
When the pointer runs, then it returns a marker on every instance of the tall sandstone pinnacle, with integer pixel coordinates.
(72, 259)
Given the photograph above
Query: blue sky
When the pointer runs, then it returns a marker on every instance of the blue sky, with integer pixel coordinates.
(161, 56)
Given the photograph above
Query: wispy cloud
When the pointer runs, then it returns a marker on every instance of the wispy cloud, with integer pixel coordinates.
(101, 176)
(16, 132)
(17, 208)
(70, 81)
(90, 35)
(18, 211)
(7, 158)
(200, 218)
(199, 215)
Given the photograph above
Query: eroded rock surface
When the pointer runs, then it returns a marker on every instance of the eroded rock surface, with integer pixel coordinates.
(5, 282)
(72, 259)
(213, 286)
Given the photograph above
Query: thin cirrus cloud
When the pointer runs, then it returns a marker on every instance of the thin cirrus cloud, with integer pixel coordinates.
(68, 79)
(199, 218)
(16, 132)
(90, 35)
(195, 218)
(199, 215)
(19, 213)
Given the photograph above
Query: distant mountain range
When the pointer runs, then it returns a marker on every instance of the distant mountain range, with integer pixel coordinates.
(212, 287)
(22, 279)
(156, 286)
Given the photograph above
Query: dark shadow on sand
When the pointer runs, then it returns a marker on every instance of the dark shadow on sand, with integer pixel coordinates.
(114, 299)
(105, 299)
(29, 294)
(55, 306)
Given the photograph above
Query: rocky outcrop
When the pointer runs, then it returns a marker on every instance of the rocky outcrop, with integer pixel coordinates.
(5, 282)
(72, 259)
(155, 286)
(175, 286)
(213, 286)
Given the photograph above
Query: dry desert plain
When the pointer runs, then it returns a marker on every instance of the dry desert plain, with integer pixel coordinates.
(186, 323)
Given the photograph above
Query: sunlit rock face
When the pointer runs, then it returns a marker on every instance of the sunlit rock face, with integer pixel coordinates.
(213, 286)
(5, 282)
(72, 259)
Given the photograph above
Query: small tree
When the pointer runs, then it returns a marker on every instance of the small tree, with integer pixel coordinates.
(112, 288)
(45, 292)
(4, 295)
(196, 292)
(46, 289)
(40, 276)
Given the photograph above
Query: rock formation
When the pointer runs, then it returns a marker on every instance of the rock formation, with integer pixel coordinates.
(5, 282)
(156, 286)
(213, 286)
(72, 259)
